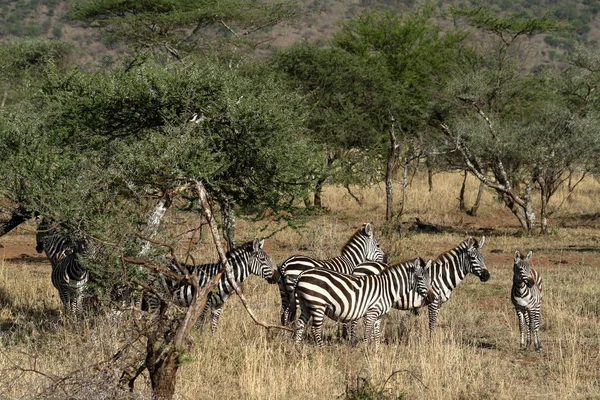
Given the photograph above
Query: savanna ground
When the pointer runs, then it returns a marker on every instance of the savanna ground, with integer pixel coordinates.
(474, 353)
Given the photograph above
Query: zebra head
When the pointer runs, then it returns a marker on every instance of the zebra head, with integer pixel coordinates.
(363, 246)
(522, 270)
(476, 264)
(423, 280)
(260, 264)
(420, 280)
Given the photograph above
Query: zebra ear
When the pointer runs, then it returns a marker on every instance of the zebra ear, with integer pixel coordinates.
(517, 256)
(479, 244)
(418, 263)
(368, 229)
(528, 256)
(258, 244)
(428, 264)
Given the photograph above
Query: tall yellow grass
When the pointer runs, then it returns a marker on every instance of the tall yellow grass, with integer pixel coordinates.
(473, 354)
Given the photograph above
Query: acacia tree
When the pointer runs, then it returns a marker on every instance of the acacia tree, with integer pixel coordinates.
(347, 96)
(417, 59)
(513, 128)
(181, 27)
(101, 144)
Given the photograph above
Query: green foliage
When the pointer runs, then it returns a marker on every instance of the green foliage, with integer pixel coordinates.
(182, 26)
(509, 26)
(99, 142)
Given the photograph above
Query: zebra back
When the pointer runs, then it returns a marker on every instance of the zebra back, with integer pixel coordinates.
(420, 294)
(361, 247)
(347, 298)
(245, 260)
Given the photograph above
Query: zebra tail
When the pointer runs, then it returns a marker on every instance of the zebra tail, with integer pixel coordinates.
(294, 302)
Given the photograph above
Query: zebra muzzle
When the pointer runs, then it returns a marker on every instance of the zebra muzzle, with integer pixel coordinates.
(430, 297)
(485, 275)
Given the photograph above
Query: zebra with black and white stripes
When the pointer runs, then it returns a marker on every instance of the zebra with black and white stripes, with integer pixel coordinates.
(413, 299)
(450, 268)
(346, 298)
(245, 260)
(526, 296)
(69, 276)
(361, 247)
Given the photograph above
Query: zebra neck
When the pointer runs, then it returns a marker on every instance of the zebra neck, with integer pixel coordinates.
(239, 265)
(450, 269)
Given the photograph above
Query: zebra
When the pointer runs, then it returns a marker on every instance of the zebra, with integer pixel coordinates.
(347, 298)
(413, 299)
(249, 258)
(361, 247)
(68, 276)
(450, 268)
(526, 295)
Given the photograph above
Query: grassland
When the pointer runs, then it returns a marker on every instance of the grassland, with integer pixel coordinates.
(474, 353)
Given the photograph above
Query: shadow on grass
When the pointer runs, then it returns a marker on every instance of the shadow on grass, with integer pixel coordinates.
(26, 258)
(480, 343)
(419, 226)
(25, 322)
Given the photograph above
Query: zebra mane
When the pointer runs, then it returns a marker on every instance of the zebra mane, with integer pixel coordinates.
(459, 249)
(244, 248)
(357, 233)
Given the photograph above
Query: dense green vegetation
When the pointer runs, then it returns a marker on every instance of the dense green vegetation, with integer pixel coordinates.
(192, 98)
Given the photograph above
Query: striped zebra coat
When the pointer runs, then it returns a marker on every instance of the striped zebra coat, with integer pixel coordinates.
(526, 296)
(361, 247)
(412, 299)
(68, 276)
(245, 260)
(346, 298)
(450, 268)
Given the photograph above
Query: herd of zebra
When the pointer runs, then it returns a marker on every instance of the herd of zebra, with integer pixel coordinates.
(357, 284)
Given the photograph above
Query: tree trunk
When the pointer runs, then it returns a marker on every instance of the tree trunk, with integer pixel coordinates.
(389, 171)
(404, 186)
(475, 208)
(228, 216)
(162, 369)
(18, 216)
(389, 190)
(429, 166)
(461, 194)
(318, 193)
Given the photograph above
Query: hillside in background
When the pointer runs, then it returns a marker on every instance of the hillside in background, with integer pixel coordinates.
(45, 19)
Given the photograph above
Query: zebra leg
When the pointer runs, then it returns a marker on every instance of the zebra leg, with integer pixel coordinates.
(200, 321)
(376, 333)
(317, 329)
(353, 332)
(434, 309)
(216, 313)
(283, 293)
(370, 322)
(300, 325)
(534, 326)
(522, 328)
(527, 325)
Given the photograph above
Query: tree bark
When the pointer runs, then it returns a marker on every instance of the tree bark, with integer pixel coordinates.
(389, 171)
(18, 216)
(318, 192)
(228, 216)
(473, 211)
(461, 193)
(404, 187)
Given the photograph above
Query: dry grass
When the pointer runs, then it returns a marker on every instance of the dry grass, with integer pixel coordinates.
(474, 353)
